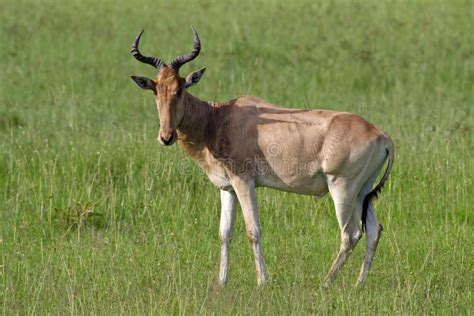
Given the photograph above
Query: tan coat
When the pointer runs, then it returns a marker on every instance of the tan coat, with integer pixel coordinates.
(246, 143)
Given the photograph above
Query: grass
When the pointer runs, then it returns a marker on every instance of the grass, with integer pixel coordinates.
(96, 218)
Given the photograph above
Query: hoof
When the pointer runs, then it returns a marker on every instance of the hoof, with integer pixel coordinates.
(262, 281)
(360, 284)
(326, 284)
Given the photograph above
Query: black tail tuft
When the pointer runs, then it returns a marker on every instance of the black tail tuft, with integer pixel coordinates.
(374, 193)
(365, 205)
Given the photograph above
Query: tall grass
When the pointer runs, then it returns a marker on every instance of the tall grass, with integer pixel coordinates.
(97, 218)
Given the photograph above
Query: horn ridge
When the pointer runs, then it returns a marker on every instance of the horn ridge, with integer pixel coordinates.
(153, 61)
(181, 60)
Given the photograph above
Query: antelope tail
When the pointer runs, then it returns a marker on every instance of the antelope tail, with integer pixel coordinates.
(374, 193)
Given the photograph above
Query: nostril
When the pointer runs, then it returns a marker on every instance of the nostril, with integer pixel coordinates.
(167, 141)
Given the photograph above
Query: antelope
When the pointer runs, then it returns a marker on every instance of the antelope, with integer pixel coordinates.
(247, 143)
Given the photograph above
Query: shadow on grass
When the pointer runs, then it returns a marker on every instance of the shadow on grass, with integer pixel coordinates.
(10, 120)
(79, 217)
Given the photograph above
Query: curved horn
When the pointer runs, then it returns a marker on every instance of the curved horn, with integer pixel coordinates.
(181, 60)
(154, 61)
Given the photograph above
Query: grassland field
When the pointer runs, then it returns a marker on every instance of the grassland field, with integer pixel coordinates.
(97, 218)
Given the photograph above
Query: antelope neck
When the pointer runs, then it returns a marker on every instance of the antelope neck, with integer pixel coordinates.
(196, 119)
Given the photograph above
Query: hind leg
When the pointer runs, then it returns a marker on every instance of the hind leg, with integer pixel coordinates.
(373, 228)
(345, 202)
(373, 232)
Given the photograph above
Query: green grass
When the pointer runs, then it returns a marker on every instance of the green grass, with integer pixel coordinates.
(96, 217)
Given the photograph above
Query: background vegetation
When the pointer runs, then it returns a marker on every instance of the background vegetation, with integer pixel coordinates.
(96, 217)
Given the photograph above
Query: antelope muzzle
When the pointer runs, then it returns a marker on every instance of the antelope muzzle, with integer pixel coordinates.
(167, 136)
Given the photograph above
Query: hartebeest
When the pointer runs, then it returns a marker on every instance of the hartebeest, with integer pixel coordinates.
(247, 143)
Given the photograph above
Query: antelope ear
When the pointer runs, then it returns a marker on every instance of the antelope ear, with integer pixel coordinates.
(194, 78)
(144, 82)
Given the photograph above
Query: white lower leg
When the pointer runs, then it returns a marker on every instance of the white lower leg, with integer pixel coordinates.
(245, 190)
(259, 262)
(228, 206)
(224, 263)
(347, 245)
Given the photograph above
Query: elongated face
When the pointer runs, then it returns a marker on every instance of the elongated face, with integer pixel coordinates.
(169, 90)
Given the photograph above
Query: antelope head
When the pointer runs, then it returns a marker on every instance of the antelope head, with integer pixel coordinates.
(168, 87)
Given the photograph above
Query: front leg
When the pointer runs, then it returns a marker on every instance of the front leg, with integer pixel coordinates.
(228, 206)
(245, 190)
